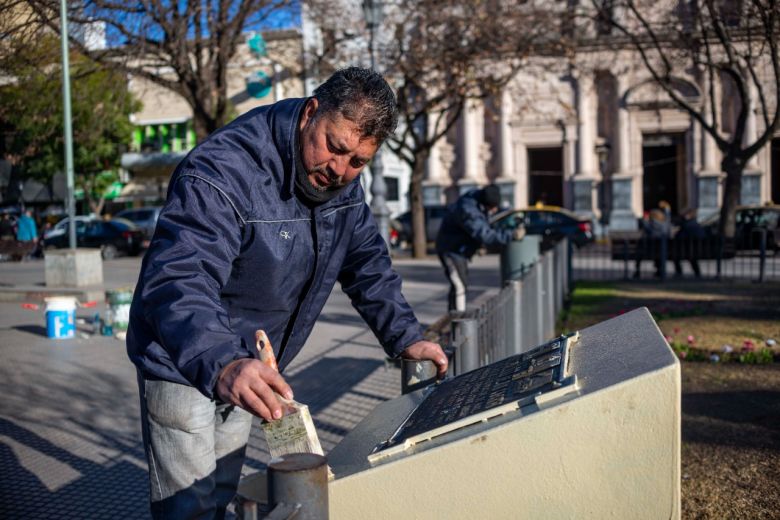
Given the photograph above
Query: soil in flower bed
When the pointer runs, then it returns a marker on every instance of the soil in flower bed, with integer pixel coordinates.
(730, 440)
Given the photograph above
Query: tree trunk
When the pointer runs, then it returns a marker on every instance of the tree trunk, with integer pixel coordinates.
(419, 242)
(732, 191)
(203, 124)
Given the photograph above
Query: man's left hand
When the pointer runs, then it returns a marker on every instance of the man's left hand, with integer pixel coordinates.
(428, 350)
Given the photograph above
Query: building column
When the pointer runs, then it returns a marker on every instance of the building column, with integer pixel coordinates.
(507, 180)
(708, 177)
(624, 180)
(437, 171)
(473, 146)
(583, 183)
(751, 177)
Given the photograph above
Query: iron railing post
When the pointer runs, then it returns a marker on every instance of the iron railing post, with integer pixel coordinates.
(761, 253)
(416, 374)
(299, 481)
(465, 339)
(514, 318)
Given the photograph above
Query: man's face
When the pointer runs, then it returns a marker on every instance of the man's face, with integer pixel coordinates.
(332, 150)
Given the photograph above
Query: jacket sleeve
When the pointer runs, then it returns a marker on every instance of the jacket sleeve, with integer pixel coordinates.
(198, 236)
(476, 225)
(368, 279)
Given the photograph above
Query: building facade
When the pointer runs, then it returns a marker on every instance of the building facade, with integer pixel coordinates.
(600, 138)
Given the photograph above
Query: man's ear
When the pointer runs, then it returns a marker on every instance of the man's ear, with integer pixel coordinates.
(308, 111)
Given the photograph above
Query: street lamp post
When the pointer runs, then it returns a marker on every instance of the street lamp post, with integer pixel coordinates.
(602, 151)
(372, 10)
(67, 125)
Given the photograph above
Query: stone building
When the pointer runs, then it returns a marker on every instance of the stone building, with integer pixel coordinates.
(592, 132)
(595, 134)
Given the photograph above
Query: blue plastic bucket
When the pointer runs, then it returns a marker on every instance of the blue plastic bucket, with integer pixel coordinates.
(60, 317)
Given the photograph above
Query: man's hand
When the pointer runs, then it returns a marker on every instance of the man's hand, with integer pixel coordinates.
(428, 350)
(518, 233)
(250, 384)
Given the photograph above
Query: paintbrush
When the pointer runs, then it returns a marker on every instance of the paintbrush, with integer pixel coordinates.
(294, 432)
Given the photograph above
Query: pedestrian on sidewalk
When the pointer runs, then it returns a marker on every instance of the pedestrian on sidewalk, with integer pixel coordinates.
(466, 228)
(26, 233)
(688, 243)
(655, 228)
(261, 220)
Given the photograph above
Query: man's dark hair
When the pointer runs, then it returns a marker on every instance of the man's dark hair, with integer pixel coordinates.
(361, 96)
(490, 196)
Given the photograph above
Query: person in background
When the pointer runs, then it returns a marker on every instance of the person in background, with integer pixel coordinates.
(27, 233)
(654, 228)
(466, 228)
(7, 231)
(687, 243)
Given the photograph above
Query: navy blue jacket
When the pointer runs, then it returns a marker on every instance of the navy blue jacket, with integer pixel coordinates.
(235, 250)
(466, 228)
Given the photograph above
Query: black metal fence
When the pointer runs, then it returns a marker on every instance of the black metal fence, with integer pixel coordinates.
(515, 318)
(630, 256)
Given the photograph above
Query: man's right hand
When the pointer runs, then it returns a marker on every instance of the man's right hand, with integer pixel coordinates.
(250, 384)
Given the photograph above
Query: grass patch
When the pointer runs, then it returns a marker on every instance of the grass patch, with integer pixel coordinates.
(706, 322)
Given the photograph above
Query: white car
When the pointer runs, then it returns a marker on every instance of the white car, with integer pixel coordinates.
(61, 227)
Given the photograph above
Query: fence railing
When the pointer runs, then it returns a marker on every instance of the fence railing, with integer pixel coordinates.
(632, 257)
(513, 319)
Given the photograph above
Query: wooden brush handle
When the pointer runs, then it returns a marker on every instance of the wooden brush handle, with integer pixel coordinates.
(265, 349)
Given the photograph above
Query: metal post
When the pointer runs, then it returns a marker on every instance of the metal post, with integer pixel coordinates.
(719, 256)
(569, 259)
(513, 318)
(663, 254)
(299, 481)
(465, 339)
(416, 374)
(625, 257)
(372, 10)
(67, 125)
(762, 254)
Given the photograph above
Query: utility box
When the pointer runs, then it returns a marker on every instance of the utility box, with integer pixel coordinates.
(594, 433)
(518, 256)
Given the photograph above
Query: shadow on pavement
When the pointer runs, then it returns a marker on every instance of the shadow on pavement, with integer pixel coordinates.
(117, 490)
(32, 329)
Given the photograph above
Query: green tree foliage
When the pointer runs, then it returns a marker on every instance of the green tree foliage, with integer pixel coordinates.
(31, 116)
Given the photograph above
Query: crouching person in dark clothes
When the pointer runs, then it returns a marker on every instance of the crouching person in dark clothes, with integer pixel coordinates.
(261, 220)
(466, 228)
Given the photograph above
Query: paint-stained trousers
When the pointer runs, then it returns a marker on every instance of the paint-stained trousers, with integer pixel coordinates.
(456, 268)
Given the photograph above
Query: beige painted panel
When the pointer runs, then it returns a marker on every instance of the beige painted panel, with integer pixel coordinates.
(614, 453)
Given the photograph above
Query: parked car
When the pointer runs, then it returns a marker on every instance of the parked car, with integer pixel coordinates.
(144, 218)
(749, 219)
(401, 226)
(114, 237)
(61, 227)
(552, 222)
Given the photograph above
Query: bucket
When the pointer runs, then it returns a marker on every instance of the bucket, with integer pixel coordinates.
(60, 317)
(118, 314)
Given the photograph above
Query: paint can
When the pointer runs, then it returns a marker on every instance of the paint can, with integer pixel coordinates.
(61, 317)
(118, 313)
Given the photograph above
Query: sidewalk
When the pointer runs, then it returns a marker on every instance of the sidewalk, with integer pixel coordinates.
(26, 281)
(69, 430)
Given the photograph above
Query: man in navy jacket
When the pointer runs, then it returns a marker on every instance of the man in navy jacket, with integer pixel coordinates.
(262, 219)
(466, 228)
